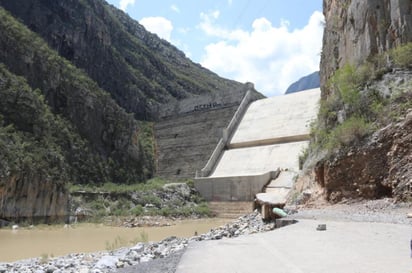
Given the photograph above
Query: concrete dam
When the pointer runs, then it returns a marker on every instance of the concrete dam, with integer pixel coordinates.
(258, 155)
(191, 129)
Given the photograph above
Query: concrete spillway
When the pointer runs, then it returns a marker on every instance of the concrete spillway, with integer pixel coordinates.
(277, 120)
(270, 136)
(259, 159)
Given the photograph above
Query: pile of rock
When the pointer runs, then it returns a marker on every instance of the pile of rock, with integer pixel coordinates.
(248, 224)
(110, 261)
(171, 200)
(99, 262)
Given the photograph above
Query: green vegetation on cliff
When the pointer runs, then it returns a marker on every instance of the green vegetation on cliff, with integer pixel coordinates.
(155, 197)
(356, 108)
(67, 115)
(31, 137)
(142, 73)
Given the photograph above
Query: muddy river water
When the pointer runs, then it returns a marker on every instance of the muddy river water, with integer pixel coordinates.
(57, 240)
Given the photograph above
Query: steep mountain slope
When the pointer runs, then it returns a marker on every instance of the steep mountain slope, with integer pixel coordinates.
(111, 132)
(34, 166)
(81, 135)
(308, 82)
(144, 74)
(361, 145)
(65, 95)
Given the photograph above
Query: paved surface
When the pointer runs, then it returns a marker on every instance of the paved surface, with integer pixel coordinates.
(345, 247)
(277, 117)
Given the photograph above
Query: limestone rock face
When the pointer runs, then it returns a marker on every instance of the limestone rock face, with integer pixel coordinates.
(358, 29)
(33, 198)
(379, 164)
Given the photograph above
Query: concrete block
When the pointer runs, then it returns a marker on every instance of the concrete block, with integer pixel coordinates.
(284, 180)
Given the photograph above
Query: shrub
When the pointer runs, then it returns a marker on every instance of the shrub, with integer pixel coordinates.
(402, 55)
(137, 210)
(351, 130)
(347, 82)
(152, 199)
(302, 157)
(203, 209)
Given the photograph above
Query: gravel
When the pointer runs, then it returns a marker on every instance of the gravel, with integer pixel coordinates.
(382, 211)
(165, 265)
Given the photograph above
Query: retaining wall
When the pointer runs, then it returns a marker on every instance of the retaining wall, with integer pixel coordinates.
(233, 188)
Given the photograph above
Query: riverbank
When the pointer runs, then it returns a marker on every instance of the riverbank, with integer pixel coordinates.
(59, 240)
(164, 256)
(110, 261)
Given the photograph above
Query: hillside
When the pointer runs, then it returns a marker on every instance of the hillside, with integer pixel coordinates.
(307, 82)
(144, 74)
(361, 144)
(58, 127)
(80, 86)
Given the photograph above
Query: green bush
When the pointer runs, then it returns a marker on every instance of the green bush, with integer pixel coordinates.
(152, 199)
(203, 209)
(348, 83)
(302, 157)
(361, 109)
(152, 184)
(351, 130)
(137, 210)
(402, 55)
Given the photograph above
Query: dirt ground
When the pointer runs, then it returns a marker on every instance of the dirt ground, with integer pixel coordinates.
(381, 211)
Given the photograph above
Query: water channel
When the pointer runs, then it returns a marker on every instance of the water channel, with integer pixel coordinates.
(57, 240)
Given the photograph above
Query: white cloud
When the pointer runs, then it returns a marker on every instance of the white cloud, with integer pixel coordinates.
(271, 57)
(159, 25)
(175, 8)
(163, 28)
(124, 3)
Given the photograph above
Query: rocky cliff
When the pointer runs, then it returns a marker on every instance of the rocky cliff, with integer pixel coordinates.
(356, 30)
(80, 82)
(57, 126)
(361, 143)
(144, 74)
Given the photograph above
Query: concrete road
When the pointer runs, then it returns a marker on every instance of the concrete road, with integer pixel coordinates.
(345, 247)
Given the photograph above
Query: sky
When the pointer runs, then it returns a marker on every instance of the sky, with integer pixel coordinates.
(271, 43)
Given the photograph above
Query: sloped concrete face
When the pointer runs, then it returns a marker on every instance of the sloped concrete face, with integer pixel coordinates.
(278, 119)
(270, 136)
(260, 159)
(185, 143)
